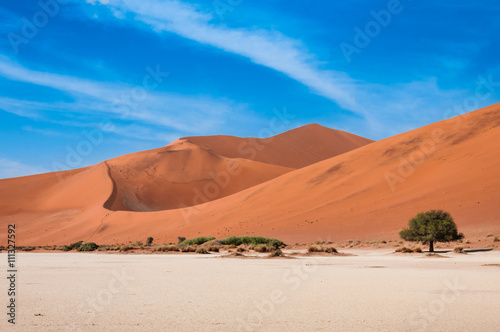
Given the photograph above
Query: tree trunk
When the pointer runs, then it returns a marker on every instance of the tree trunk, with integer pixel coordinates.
(431, 246)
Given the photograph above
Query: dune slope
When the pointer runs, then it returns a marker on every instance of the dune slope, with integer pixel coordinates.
(368, 193)
(58, 207)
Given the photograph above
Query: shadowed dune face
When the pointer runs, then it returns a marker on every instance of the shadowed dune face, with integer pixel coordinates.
(295, 148)
(366, 193)
(181, 175)
(195, 170)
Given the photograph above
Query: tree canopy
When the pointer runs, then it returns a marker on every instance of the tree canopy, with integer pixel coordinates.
(431, 226)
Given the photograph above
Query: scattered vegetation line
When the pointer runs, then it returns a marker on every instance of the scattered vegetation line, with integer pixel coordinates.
(196, 241)
(252, 241)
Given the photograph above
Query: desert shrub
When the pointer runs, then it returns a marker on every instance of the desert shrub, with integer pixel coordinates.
(240, 249)
(181, 239)
(261, 248)
(89, 246)
(330, 250)
(404, 250)
(197, 240)
(213, 248)
(66, 248)
(75, 245)
(459, 250)
(252, 240)
(125, 247)
(496, 239)
(276, 253)
(201, 250)
(165, 248)
(417, 249)
(383, 241)
(172, 248)
(188, 249)
(149, 241)
(313, 249)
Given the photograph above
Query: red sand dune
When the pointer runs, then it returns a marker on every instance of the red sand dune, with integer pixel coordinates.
(187, 172)
(367, 193)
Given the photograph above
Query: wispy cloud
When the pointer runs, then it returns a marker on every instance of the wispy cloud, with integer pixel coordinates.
(271, 49)
(11, 168)
(385, 108)
(113, 101)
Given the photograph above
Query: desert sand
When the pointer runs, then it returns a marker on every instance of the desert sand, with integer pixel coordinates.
(365, 191)
(376, 290)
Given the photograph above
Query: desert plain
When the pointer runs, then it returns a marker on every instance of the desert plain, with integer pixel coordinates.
(367, 290)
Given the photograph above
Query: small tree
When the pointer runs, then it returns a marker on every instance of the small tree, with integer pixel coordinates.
(149, 241)
(431, 226)
(181, 239)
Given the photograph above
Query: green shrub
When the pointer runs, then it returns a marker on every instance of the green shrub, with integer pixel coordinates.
(89, 246)
(197, 240)
(149, 241)
(252, 241)
(75, 245)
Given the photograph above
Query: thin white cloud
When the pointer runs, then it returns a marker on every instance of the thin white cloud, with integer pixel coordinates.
(386, 109)
(114, 101)
(270, 49)
(11, 169)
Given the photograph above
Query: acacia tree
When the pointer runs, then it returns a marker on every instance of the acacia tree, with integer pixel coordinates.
(431, 226)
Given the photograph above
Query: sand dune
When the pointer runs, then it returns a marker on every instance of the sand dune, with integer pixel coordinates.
(181, 175)
(296, 148)
(367, 193)
(187, 172)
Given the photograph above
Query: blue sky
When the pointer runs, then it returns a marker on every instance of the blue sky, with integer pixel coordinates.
(85, 81)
